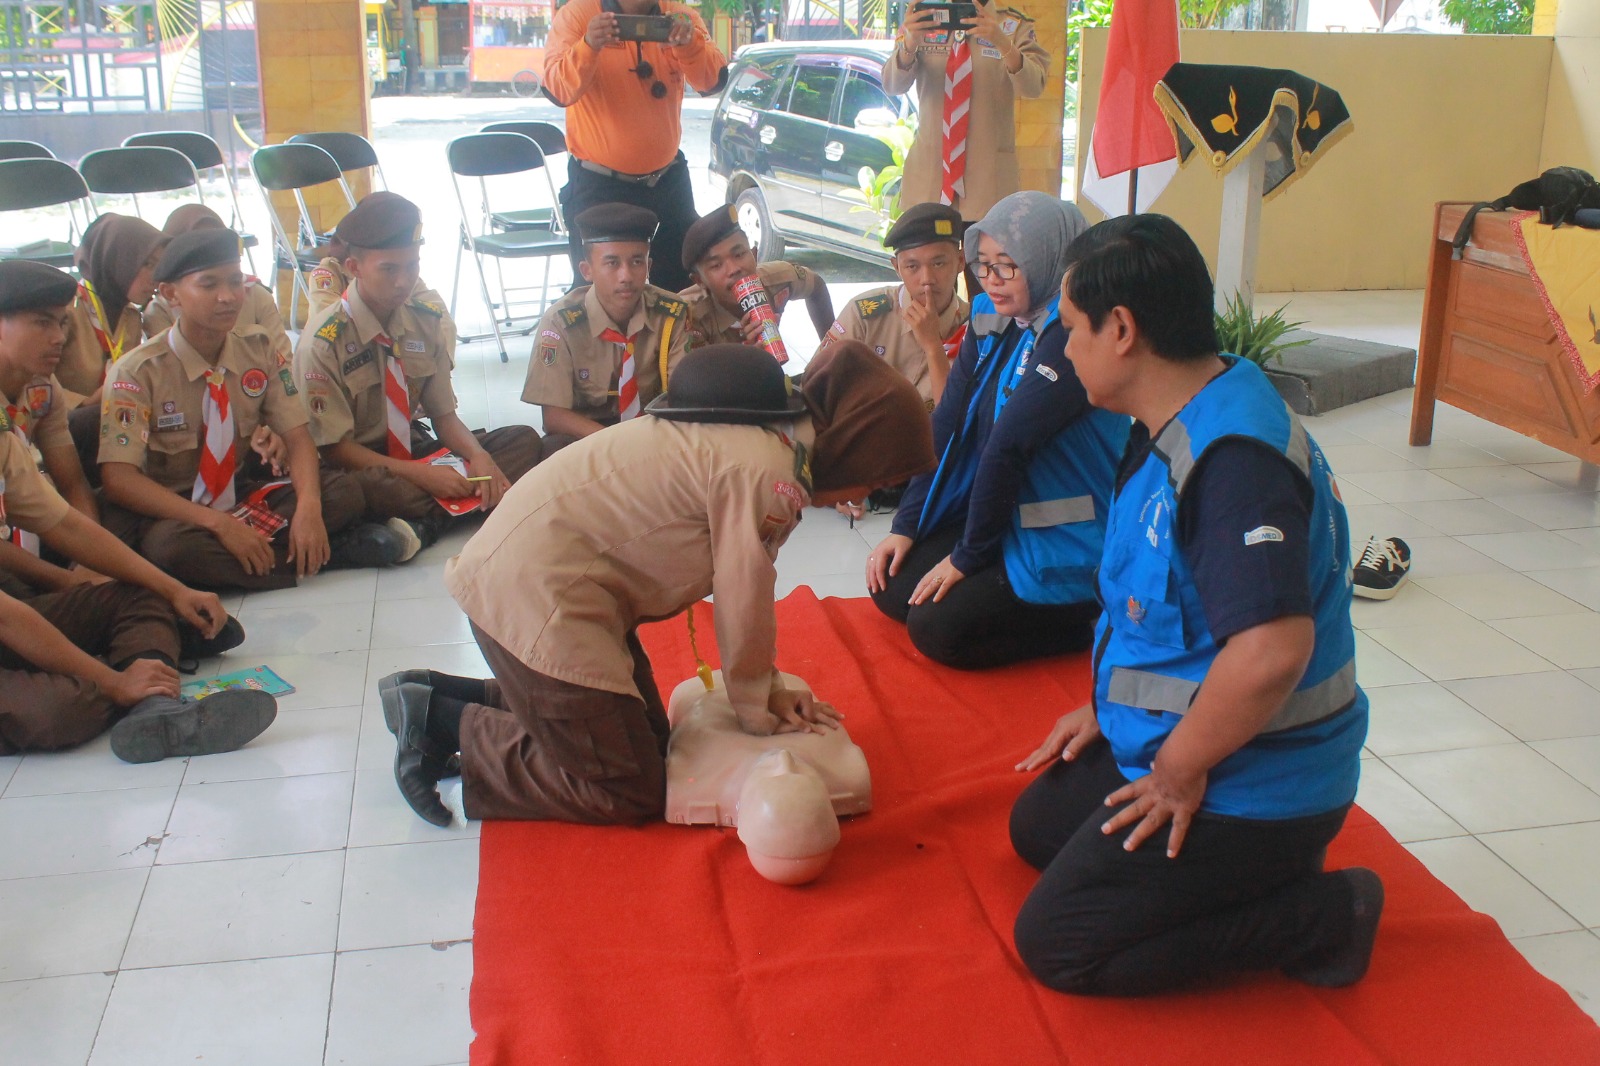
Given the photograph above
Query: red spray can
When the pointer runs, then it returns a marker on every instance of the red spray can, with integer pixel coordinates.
(752, 296)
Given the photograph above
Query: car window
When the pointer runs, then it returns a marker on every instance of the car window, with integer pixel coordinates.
(756, 83)
(812, 94)
(863, 94)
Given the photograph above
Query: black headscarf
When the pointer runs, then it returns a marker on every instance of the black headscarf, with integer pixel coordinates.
(112, 251)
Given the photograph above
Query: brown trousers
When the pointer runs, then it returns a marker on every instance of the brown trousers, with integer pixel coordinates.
(198, 559)
(555, 751)
(515, 450)
(113, 622)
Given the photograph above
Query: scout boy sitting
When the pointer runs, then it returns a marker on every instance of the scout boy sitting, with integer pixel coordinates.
(379, 356)
(178, 423)
(605, 349)
(718, 256)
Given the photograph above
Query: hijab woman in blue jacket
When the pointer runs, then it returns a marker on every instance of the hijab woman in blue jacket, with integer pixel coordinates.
(991, 557)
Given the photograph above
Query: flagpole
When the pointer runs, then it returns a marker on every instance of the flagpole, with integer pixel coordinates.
(1133, 191)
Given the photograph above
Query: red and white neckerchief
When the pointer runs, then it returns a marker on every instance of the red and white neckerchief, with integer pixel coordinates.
(28, 542)
(957, 105)
(396, 395)
(627, 385)
(952, 343)
(213, 485)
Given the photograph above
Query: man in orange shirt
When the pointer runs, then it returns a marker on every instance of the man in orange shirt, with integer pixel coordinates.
(624, 101)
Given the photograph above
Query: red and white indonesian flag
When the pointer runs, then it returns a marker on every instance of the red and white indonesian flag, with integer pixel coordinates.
(1129, 130)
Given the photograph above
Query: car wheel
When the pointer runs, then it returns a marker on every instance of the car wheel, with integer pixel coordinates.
(525, 83)
(756, 221)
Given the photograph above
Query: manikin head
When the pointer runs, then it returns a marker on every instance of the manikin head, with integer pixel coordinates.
(786, 819)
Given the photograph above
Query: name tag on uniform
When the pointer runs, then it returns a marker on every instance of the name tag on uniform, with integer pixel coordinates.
(992, 53)
(169, 422)
(415, 346)
(356, 362)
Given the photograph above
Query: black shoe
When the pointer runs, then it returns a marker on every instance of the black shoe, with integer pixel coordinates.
(1383, 567)
(160, 727)
(410, 539)
(366, 545)
(886, 500)
(465, 689)
(193, 645)
(1347, 964)
(419, 763)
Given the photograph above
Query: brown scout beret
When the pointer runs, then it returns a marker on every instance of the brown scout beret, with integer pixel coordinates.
(925, 224)
(707, 232)
(728, 383)
(603, 223)
(199, 249)
(381, 220)
(27, 286)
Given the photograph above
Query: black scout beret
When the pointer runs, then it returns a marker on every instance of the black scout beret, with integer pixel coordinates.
(26, 286)
(616, 222)
(728, 383)
(707, 232)
(925, 224)
(381, 220)
(199, 249)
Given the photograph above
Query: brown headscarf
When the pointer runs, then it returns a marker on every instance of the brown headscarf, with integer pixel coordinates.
(872, 426)
(190, 217)
(113, 249)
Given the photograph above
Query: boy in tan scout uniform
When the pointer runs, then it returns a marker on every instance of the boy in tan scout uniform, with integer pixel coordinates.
(328, 279)
(718, 255)
(606, 349)
(75, 655)
(376, 359)
(640, 523)
(259, 311)
(34, 403)
(181, 419)
(916, 326)
(1007, 61)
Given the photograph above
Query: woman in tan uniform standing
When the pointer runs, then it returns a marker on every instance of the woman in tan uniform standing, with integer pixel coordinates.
(974, 78)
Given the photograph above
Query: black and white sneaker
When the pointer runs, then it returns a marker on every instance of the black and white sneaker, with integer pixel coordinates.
(1383, 567)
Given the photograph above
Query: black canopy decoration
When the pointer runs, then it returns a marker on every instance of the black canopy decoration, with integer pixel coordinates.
(1227, 110)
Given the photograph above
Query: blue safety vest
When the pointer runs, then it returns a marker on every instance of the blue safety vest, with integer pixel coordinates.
(1153, 647)
(1058, 526)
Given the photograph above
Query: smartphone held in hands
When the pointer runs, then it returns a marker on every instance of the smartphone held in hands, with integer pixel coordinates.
(656, 28)
(950, 16)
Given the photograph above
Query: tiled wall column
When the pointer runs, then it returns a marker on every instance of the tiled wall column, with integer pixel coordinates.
(1039, 121)
(313, 79)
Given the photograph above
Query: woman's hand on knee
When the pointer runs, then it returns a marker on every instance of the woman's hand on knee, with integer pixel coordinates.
(936, 582)
(885, 560)
(1071, 734)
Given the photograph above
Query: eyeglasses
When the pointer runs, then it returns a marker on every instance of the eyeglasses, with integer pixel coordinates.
(1003, 271)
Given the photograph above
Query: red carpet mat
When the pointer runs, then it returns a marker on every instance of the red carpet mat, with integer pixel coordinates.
(661, 945)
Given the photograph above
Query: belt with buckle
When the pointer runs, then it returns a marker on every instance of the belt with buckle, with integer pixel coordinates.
(649, 179)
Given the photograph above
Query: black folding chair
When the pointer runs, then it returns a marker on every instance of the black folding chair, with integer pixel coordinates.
(351, 150)
(293, 168)
(24, 150)
(482, 156)
(551, 141)
(205, 154)
(131, 171)
(28, 184)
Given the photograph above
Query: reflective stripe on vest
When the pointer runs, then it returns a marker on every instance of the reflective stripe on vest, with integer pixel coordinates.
(1158, 692)
(1060, 512)
(1174, 446)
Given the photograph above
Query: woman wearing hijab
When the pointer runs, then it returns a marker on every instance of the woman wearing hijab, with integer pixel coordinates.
(259, 311)
(991, 557)
(116, 260)
(635, 524)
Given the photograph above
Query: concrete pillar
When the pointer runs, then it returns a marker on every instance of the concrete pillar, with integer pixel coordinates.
(1039, 121)
(1572, 110)
(314, 79)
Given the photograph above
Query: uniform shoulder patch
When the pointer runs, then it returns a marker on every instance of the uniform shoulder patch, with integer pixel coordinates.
(330, 329)
(873, 306)
(428, 307)
(671, 305)
(5, 423)
(573, 316)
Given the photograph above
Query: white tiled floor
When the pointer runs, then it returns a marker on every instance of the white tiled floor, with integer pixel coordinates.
(282, 905)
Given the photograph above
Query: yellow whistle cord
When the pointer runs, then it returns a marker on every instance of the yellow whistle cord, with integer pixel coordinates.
(700, 668)
(666, 345)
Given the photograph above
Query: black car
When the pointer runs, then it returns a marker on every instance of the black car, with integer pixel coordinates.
(792, 138)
